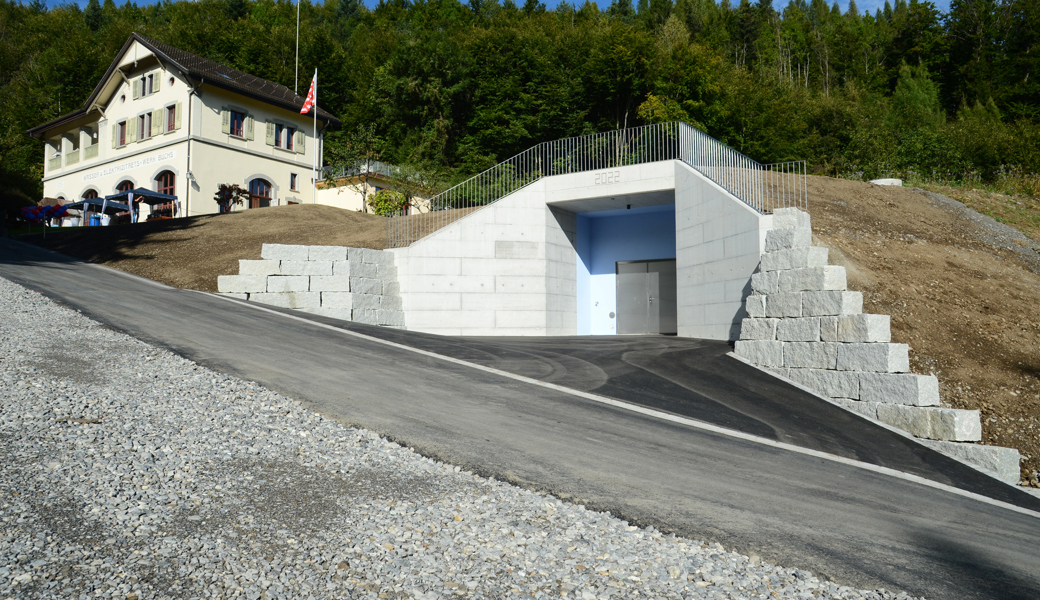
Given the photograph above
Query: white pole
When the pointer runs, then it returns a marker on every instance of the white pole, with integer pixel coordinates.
(314, 160)
(296, 82)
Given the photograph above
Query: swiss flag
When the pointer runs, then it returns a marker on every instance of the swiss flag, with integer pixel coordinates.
(312, 95)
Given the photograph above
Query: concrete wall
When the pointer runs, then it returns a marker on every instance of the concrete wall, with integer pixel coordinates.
(507, 269)
(719, 241)
(604, 238)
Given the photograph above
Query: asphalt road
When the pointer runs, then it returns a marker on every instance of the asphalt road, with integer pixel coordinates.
(854, 525)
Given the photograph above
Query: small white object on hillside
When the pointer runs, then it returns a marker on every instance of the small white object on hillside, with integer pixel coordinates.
(898, 182)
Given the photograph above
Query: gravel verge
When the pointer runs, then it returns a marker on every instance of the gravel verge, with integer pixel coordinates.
(130, 472)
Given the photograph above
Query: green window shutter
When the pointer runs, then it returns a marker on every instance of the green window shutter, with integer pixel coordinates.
(270, 133)
(249, 127)
(157, 122)
(131, 133)
(137, 89)
(225, 120)
(156, 79)
(115, 135)
(301, 140)
(177, 116)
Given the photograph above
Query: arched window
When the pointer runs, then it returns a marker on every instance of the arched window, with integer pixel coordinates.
(125, 185)
(259, 193)
(90, 194)
(164, 182)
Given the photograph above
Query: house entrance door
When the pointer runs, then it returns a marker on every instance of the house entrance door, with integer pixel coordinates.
(646, 297)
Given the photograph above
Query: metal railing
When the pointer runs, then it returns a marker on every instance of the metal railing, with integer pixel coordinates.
(763, 187)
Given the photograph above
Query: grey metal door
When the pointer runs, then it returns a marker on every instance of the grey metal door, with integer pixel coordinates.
(646, 297)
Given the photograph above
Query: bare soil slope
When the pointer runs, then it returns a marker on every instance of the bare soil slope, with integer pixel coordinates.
(190, 253)
(962, 290)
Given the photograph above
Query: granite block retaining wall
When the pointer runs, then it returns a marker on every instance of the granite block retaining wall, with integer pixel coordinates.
(805, 325)
(353, 284)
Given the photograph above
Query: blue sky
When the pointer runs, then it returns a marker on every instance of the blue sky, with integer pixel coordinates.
(871, 5)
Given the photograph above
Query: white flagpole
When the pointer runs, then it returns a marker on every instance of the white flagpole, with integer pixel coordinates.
(296, 81)
(314, 161)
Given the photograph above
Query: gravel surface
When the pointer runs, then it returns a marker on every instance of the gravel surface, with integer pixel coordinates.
(129, 472)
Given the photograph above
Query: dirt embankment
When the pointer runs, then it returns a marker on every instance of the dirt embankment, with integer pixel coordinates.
(962, 290)
(190, 253)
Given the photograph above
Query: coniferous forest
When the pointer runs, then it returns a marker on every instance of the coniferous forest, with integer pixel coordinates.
(451, 88)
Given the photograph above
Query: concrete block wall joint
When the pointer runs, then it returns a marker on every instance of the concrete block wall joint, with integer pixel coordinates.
(353, 284)
(804, 324)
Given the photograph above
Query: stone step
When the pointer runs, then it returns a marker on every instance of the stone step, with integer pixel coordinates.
(786, 218)
(794, 258)
(247, 284)
(1003, 462)
(933, 423)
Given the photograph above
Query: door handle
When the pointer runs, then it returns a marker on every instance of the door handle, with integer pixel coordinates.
(651, 299)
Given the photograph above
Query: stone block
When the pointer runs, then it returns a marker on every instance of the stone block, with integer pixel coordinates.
(804, 329)
(365, 301)
(956, 425)
(794, 258)
(784, 305)
(241, 284)
(1002, 462)
(815, 279)
(899, 388)
(810, 355)
(791, 237)
(758, 329)
(391, 318)
(867, 409)
(912, 419)
(287, 283)
(864, 328)
(327, 253)
(829, 329)
(755, 305)
(387, 272)
(284, 252)
(822, 304)
(341, 268)
(832, 384)
(785, 218)
(367, 316)
(258, 267)
(330, 283)
(338, 300)
(235, 295)
(761, 352)
(364, 285)
(391, 288)
(305, 267)
(876, 358)
(765, 282)
(391, 303)
(366, 270)
(289, 299)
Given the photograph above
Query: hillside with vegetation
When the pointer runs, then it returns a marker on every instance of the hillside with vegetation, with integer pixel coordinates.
(452, 88)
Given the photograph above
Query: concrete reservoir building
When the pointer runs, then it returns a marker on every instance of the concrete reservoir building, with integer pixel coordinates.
(169, 121)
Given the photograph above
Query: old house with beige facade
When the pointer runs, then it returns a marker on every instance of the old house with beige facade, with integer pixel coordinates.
(169, 121)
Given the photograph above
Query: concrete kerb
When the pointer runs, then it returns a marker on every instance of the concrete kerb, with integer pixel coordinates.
(668, 416)
(882, 424)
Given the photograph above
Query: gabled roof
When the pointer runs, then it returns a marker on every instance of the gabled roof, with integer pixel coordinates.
(202, 70)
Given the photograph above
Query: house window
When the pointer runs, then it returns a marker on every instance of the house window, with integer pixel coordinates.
(294, 182)
(279, 130)
(125, 185)
(164, 183)
(283, 136)
(289, 132)
(238, 121)
(90, 194)
(144, 126)
(171, 118)
(121, 133)
(147, 83)
(259, 193)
